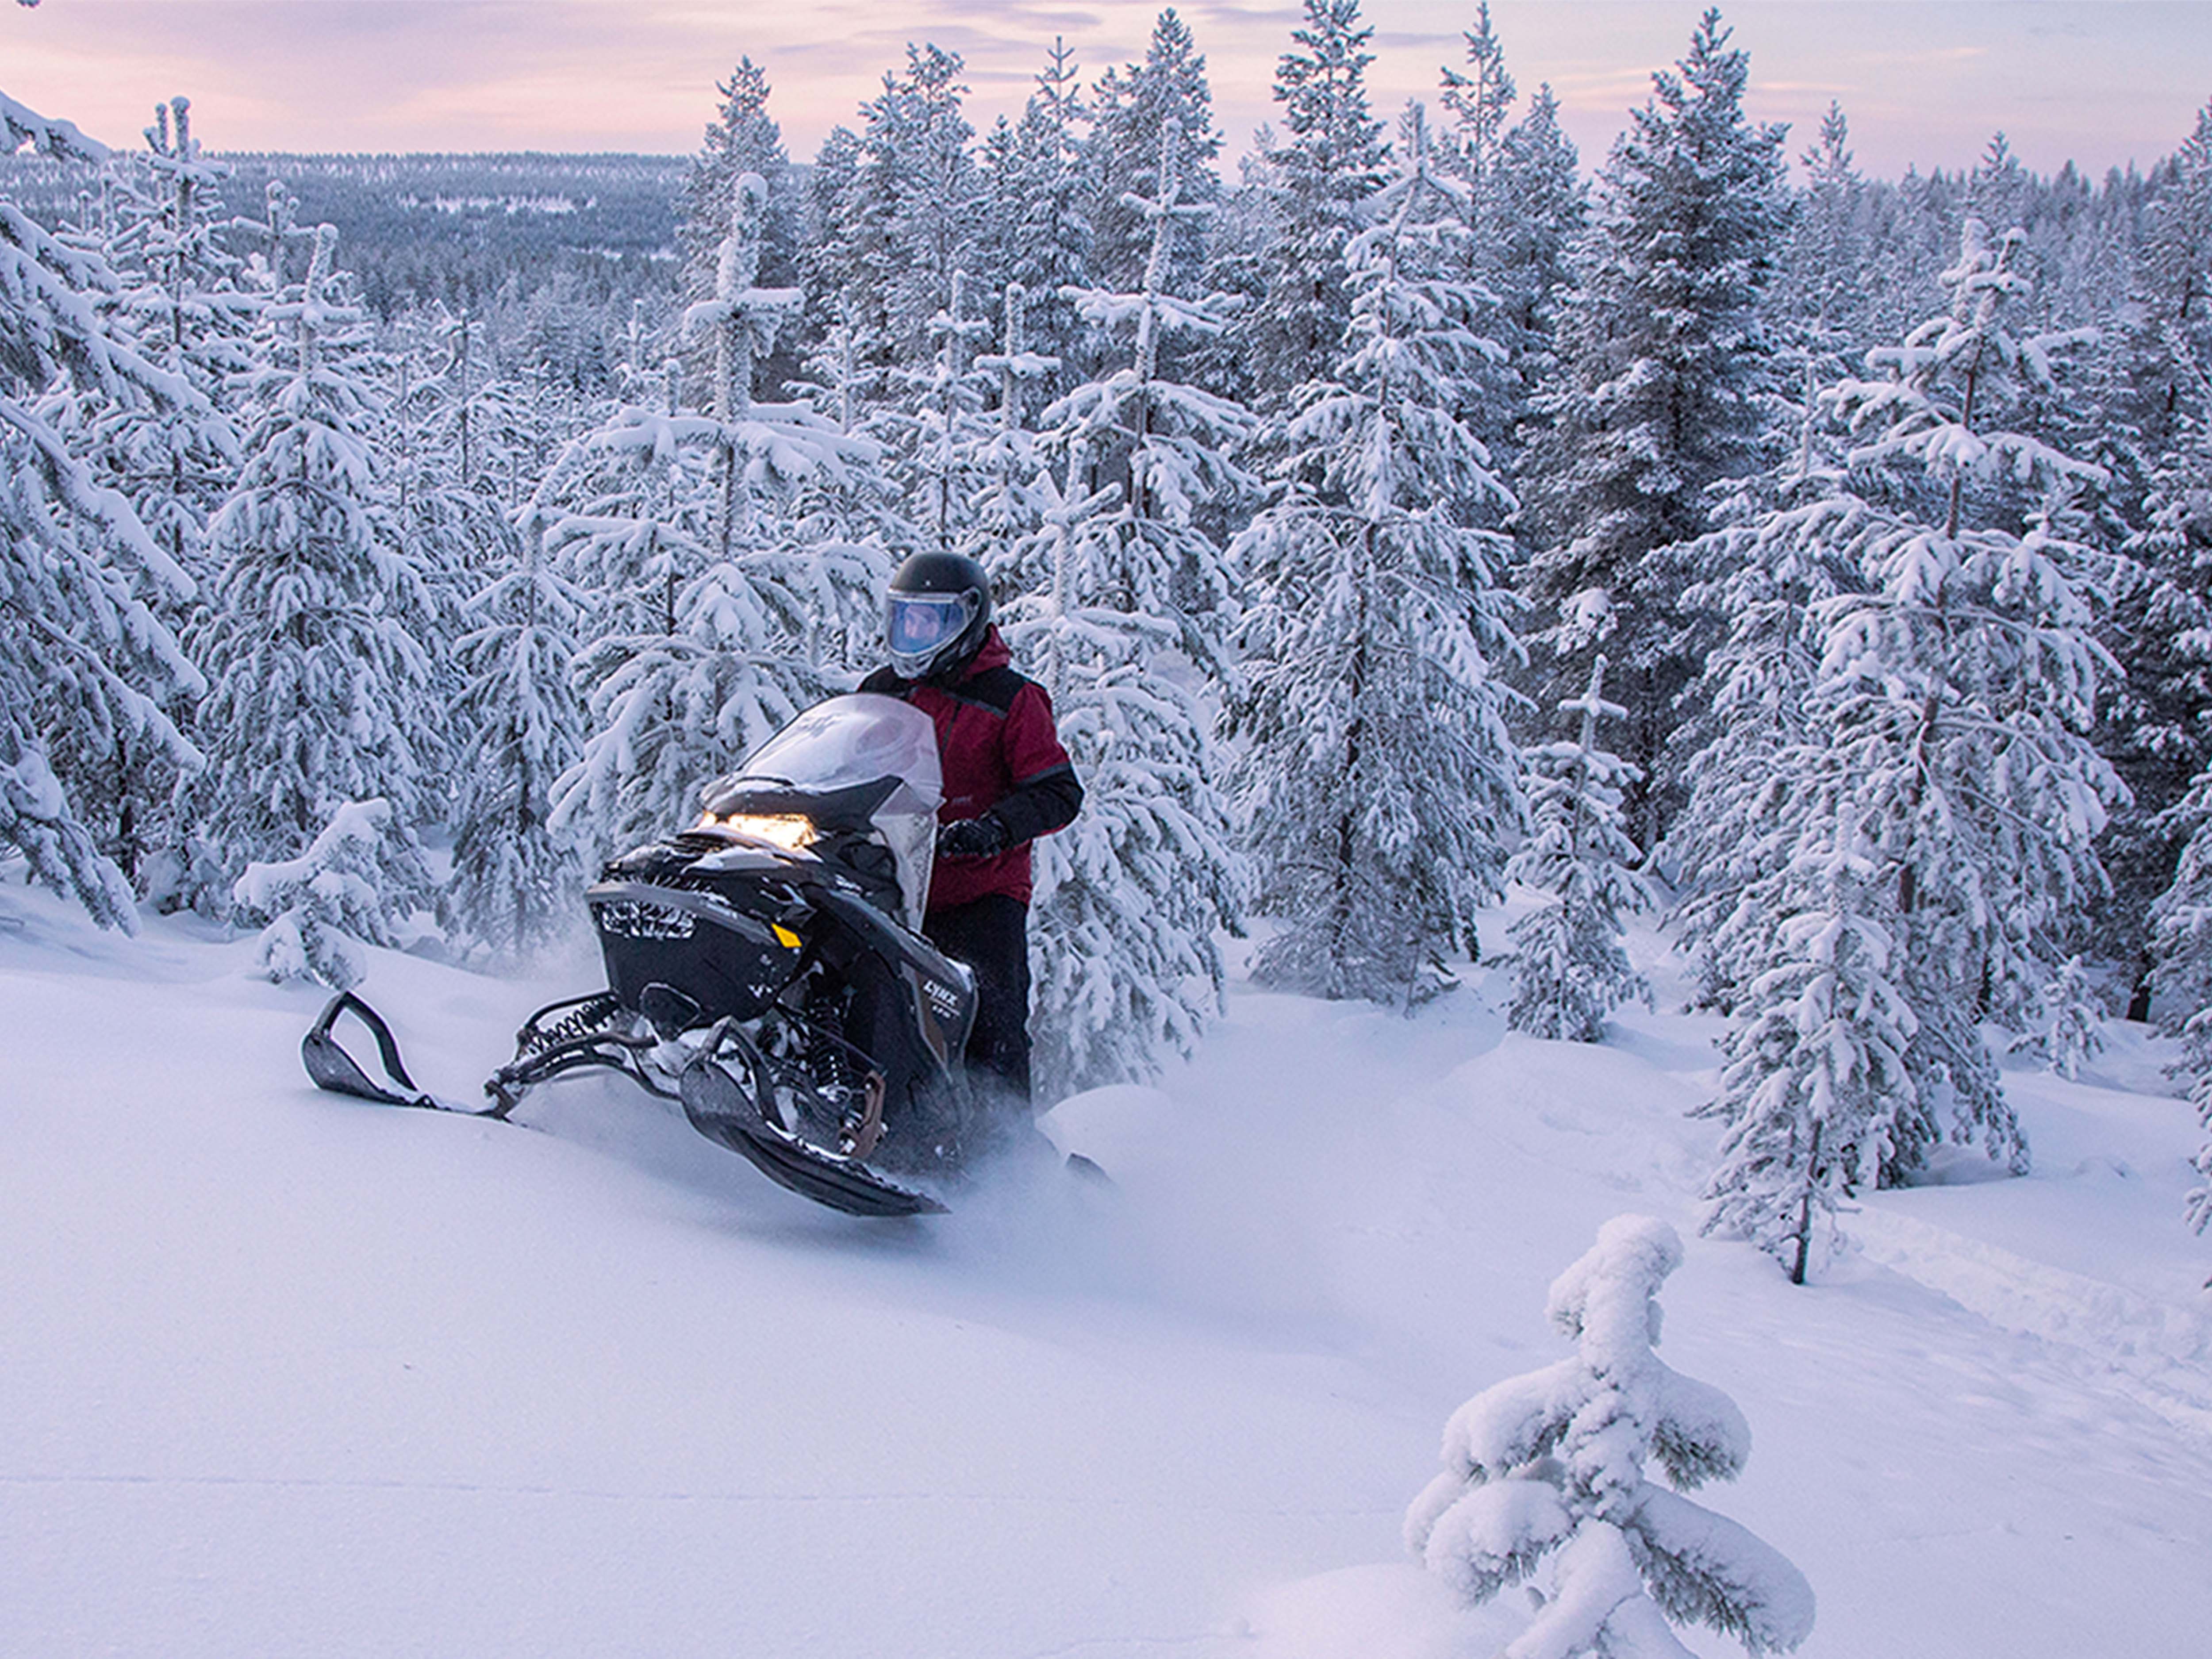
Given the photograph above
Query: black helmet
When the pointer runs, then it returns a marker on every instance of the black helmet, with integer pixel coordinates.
(935, 614)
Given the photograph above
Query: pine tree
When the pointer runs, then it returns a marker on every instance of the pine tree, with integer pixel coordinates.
(2154, 422)
(175, 296)
(2182, 939)
(1551, 1465)
(1661, 387)
(1815, 1078)
(1944, 742)
(1053, 237)
(1132, 109)
(1959, 691)
(1784, 556)
(742, 138)
(1321, 178)
(1570, 968)
(1538, 206)
(87, 664)
(1378, 780)
(353, 885)
(313, 641)
(1122, 594)
(513, 883)
(718, 602)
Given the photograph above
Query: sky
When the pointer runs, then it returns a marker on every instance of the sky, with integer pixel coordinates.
(1923, 83)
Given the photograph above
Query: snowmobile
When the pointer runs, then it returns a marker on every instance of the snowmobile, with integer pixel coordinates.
(766, 969)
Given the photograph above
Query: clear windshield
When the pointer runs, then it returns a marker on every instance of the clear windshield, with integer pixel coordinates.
(847, 741)
(843, 744)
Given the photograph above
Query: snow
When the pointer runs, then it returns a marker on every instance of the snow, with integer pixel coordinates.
(289, 1374)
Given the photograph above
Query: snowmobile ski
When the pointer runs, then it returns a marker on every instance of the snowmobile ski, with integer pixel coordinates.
(722, 1109)
(334, 1069)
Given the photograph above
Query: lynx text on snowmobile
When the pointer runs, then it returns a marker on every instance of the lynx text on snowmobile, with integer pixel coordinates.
(766, 968)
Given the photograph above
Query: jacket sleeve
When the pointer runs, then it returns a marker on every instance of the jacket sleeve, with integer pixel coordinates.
(1046, 794)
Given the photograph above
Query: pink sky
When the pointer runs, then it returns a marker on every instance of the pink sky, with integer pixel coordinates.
(1924, 82)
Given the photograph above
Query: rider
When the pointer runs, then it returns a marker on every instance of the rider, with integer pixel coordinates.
(1007, 780)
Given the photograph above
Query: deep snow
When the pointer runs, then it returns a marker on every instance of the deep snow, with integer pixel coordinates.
(287, 1374)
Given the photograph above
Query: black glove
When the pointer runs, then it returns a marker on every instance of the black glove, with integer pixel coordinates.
(972, 838)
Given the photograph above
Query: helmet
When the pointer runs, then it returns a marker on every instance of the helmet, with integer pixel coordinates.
(935, 614)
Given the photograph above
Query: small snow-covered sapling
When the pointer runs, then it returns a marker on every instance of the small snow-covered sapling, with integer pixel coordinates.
(1551, 1465)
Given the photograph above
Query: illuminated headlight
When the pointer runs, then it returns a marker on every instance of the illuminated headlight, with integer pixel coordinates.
(785, 831)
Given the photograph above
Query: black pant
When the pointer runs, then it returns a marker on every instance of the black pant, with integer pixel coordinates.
(991, 935)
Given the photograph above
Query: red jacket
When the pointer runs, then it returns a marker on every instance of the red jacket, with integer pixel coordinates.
(1002, 757)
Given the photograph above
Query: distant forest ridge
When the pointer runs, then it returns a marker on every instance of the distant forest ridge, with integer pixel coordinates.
(456, 228)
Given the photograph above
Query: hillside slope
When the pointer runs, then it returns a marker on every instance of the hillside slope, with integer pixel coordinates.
(289, 1374)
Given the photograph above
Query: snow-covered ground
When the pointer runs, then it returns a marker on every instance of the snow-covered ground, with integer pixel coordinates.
(287, 1375)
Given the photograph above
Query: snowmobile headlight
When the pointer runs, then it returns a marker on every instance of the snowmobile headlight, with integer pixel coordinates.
(787, 830)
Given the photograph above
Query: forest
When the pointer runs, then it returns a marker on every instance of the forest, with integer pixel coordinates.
(1821, 562)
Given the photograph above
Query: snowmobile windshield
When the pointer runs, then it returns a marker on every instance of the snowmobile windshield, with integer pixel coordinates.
(917, 626)
(847, 741)
(846, 744)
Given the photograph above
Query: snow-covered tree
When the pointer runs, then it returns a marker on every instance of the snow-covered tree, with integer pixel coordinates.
(716, 605)
(1815, 1078)
(942, 428)
(1958, 692)
(742, 138)
(357, 883)
(1378, 781)
(1550, 1466)
(2182, 942)
(314, 638)
(1048, 230)
(1782, 557)
(1132, 109)
(88, 664)
(1569, 967)
(1538, 205)
(513, 883)
(1009, 507)
(1662, 385)
(1123, 599)
(1318, 182)
(180, 299)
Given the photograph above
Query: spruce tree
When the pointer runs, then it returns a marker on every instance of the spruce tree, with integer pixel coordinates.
(87, 662)
(1661, 389)
(1569, 968)
(315, 638)
(1378, 779)
(1551, 1465)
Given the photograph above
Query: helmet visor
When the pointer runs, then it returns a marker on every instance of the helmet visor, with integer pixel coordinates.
(917, 626)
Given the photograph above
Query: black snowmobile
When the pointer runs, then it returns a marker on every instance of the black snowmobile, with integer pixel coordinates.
(766, 968)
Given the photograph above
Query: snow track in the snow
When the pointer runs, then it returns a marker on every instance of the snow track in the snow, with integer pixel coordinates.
(2155, 1352)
